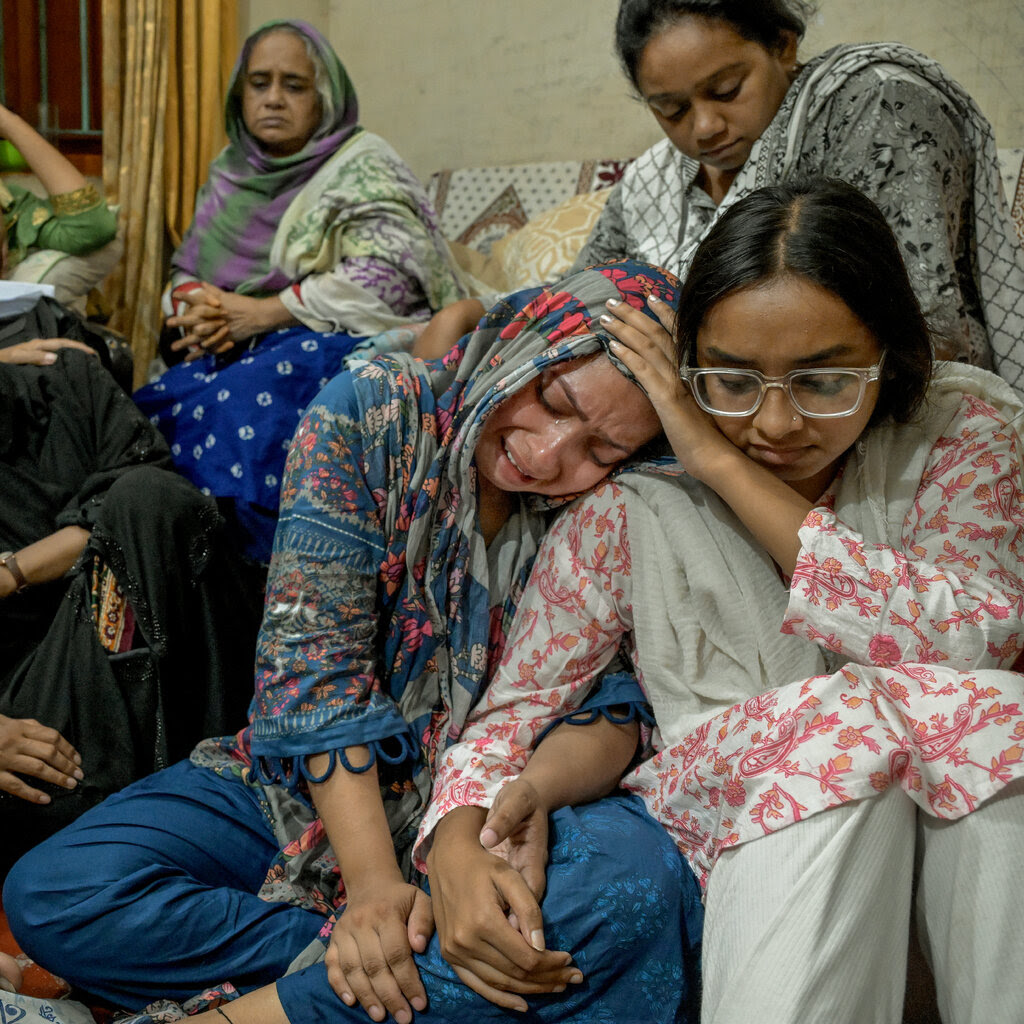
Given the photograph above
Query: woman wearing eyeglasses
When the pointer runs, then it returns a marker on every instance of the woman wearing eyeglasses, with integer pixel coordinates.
(822, 610)
(740, 108)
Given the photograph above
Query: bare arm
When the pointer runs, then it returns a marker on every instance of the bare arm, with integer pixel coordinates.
(385, 919)
(575, 764)
(487, 905)
(28, 747)
(446, 327)
(46, 559)
(55, 172)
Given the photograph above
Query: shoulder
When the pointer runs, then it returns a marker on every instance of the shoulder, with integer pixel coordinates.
(367, 150)
(966, 409)
(887, 81)
(366, 168)
(372, 396)
(662, 159)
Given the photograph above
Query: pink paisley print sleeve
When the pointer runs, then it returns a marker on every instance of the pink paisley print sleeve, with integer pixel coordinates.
(568, 626)
(954, 592)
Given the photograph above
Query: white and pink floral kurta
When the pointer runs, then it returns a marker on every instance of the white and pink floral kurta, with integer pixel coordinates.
(918, 626)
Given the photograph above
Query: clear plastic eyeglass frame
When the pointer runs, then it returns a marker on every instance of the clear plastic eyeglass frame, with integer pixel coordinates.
(864, 374)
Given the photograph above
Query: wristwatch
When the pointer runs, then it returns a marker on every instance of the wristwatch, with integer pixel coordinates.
(10, 563)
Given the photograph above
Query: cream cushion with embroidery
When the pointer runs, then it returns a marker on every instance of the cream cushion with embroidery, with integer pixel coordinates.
(542, 250)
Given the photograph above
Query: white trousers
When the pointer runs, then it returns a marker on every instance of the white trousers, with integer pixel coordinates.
(810, 924)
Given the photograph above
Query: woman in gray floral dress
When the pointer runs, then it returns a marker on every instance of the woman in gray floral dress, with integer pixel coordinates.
(722, 79)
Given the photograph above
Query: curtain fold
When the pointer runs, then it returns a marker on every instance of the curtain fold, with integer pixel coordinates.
(203, 42)
(165, 68)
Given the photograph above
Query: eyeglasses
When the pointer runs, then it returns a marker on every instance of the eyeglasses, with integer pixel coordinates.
(818, 393)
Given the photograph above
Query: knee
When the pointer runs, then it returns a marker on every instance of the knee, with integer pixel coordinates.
(28, 904)
(619, 892)
(155, 493)
(632, 872)
(618, 833)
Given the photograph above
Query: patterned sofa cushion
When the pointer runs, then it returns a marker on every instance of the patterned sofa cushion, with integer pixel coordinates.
(518, 224)
(478, 206)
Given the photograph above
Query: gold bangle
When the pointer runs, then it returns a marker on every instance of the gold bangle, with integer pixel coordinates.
(10, 563)
(79, 200)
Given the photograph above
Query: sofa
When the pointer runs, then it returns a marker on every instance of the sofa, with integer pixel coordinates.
(514, 225)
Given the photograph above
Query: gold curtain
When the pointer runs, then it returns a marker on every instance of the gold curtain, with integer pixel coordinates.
(203, 41)
(165, 65)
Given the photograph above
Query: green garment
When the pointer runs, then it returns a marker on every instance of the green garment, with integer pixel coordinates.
(73, 222)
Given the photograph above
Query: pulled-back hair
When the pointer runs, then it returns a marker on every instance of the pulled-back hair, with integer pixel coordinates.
(761, 21)
(829, 233)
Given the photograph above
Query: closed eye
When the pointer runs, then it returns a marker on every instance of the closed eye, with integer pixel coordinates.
(543, 384)
(678, 114)
(601, 463)
(727, 95)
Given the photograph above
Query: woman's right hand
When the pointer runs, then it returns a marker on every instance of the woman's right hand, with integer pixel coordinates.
(369, 959)
(40, 351)
(648, 350)
(477, 896)
(28, 748)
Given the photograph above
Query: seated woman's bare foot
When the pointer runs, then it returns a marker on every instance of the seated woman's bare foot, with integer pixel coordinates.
(10, 973)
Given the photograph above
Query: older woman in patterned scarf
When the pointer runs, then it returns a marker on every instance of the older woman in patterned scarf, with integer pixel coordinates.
(308, 232)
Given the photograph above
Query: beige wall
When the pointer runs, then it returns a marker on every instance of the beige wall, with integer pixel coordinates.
(454, 83)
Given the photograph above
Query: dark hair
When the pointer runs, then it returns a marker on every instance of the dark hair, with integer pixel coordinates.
(827, 232)
(761, 21)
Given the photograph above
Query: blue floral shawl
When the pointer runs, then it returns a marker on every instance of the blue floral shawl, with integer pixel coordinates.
(384, 608)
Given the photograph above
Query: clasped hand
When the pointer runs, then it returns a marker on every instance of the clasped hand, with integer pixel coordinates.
(486, 885)
(215, 321)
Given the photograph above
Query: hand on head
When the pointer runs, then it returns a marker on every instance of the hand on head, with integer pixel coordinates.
(649, 352)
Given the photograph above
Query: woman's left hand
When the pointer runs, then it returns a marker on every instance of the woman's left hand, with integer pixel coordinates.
(648, 350)
(202, 321)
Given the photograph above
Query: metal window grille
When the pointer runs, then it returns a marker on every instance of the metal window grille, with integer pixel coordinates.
(50, 54)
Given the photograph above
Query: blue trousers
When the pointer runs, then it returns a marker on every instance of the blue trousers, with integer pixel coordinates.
(152, 894)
